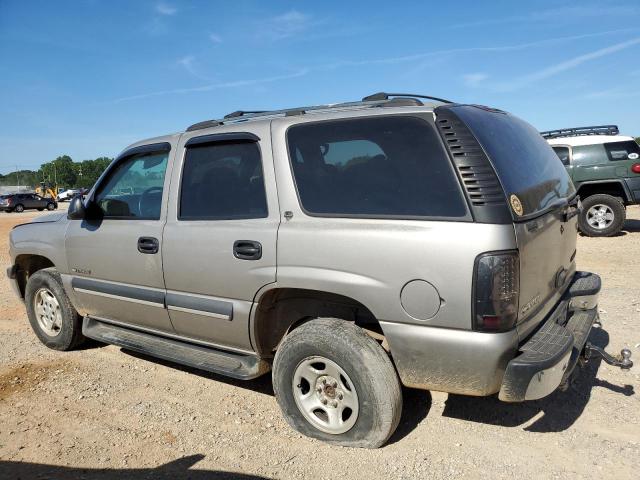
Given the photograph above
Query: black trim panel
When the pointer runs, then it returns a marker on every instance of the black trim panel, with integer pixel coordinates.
(205, 305)
(222, 137)
(152, 147)
(134, 293)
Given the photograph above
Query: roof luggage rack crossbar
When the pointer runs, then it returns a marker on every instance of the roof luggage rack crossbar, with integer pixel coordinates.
(377, 100)
(582, 131)
(386, 96)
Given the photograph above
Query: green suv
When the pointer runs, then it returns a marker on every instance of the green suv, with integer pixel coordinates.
(605, 168)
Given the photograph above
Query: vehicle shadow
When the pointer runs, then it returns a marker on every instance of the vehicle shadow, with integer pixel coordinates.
(559, 410)
(180, 468)
(416, 403)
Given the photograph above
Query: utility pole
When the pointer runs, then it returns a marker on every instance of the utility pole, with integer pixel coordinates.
(17, 177)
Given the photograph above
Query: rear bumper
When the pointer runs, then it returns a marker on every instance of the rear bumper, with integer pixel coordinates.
(552, 353)
(467, 362)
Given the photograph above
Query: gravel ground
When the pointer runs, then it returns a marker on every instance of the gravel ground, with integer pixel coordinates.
(105, 413)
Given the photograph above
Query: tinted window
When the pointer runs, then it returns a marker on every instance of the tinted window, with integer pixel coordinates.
(525, 163)
(589, 154)
(222, 181)
(381, 166)
(563, 154)
(627, 150)
(134, 187)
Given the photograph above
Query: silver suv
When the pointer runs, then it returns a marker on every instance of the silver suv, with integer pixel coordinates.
(349, 248)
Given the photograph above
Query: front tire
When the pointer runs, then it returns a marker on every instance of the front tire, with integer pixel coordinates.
(602, 216)
(335, 383)
(51, 315)
(51, 206)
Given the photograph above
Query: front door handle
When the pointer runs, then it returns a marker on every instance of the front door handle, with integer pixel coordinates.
(148, 245)
(247, 250)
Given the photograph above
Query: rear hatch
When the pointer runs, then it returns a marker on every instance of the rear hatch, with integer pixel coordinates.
(542, 199)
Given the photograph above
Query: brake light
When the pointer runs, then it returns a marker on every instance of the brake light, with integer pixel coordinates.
(635, 168)
(496, 292)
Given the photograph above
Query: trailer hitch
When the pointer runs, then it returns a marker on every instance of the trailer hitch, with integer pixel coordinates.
(623, 360)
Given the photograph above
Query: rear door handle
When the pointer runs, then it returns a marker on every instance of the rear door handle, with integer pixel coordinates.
(247, 250)
(148, 245)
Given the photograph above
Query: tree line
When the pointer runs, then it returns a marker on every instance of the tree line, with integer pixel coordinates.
(62, 171)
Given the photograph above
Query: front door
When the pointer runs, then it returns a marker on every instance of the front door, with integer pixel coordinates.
(114, 256)
(219, 243)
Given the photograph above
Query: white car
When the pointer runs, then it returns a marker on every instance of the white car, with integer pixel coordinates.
(68, 194)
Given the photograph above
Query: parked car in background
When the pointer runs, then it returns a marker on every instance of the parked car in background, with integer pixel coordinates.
(605, 168)
(349, 249)
(68, 194)
(19, 202)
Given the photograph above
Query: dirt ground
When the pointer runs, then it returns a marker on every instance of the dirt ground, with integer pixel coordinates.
(105, 413)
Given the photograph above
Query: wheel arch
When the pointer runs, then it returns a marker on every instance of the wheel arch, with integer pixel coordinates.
(26, 265)
(279, 310)
(615, 188)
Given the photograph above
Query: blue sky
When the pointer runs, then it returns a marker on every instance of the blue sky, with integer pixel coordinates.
(86, 78)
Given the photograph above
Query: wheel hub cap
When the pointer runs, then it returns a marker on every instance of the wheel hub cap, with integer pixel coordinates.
(600, 216)
(48, 313)
(325, 395)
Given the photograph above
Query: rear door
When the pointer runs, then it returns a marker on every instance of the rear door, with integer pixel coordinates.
(539, 192)
(219, 244)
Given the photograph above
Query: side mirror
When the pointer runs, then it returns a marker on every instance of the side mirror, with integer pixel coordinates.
(77, 210)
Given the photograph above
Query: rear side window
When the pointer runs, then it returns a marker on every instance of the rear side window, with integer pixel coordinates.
(524, 162)
(391, 166)
(627, 150)
(563, 154)
(589, 154)
(222, 181)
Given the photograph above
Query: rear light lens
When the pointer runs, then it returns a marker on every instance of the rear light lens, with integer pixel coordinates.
(496, 291)
(635, 168)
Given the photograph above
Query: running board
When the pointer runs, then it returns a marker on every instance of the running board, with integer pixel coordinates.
(244, 367)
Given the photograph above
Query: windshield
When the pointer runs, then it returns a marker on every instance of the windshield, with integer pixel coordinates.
(524, 162)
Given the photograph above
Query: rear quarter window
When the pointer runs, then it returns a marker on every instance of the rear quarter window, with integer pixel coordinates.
(525, 163)
(387, 166)
(626, 150)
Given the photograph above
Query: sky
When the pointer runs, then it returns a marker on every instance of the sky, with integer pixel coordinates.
(87, 78)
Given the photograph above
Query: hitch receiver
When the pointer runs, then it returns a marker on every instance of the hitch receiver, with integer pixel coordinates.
(623, 361)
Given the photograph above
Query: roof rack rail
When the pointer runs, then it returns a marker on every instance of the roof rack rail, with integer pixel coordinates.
(385, 96)
(205, 124)
(242, 113)
(582, 131)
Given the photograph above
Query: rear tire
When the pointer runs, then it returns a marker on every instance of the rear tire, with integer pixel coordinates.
(18, 208)
(51, 206)
(51, 315)
(602, 216)
(362, 395)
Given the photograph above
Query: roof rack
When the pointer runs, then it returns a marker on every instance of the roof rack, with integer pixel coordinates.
(376, 100)
(386, 96)
(582, 131)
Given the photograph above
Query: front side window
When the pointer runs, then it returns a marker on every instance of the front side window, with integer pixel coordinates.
(627, 150)
(222, 181)
(133, 189)
(374, 167)
(563, 154)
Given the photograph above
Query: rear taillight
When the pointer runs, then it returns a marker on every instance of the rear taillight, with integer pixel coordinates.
(635, 168)
(496, 291)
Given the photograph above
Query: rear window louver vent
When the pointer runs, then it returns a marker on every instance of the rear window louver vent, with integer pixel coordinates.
(478, 177)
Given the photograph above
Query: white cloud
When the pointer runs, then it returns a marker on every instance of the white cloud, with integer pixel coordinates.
(165, 9)
(474, 79)
(283, 26)
(215, 38)
(214, 86)
(558, 68)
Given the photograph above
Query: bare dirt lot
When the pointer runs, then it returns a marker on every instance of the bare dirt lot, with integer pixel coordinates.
(105, 413)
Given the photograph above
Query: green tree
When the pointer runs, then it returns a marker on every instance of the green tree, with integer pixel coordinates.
(60, 171)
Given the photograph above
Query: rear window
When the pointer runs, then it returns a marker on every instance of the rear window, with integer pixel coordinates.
(626, 150)
(525, 163)
(385, 166)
